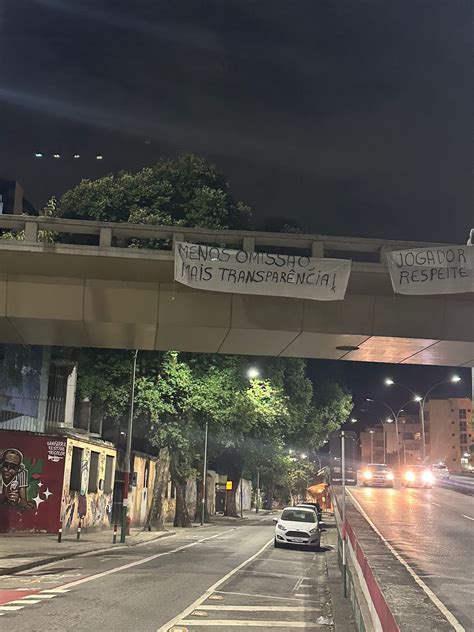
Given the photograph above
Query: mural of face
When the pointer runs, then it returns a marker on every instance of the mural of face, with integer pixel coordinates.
(11, 465)
(13, 479)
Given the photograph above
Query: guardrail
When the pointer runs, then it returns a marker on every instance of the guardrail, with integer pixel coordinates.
(113, 235)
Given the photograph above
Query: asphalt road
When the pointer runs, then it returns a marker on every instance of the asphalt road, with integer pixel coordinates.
(220, 577)
(433, 530)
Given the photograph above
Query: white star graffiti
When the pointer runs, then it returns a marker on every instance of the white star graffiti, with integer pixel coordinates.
(38, 500)
(47, 493)
(40, 484)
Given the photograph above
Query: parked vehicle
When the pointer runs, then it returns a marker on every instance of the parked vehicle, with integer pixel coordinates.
(298, 526)
(315, 507)
(417, 476)
(377, 475)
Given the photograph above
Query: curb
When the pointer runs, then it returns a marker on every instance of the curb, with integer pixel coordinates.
(66, 556)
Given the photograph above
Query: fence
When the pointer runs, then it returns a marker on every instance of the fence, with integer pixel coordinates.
(105, 235)
(32, 414)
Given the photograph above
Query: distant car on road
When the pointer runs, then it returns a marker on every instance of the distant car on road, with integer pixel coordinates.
(377, 475)
(439, 470)
(298, 526)
(315, 507)
(417, 476)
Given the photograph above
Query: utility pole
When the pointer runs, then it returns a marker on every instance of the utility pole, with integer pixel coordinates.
(343, 473)
(204, 477)
(371, 432)
(242, 495)
(128, 453)
(257, 500)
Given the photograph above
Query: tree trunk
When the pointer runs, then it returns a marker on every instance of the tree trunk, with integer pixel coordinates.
(155, 518)
(231, 495)
(181, 517)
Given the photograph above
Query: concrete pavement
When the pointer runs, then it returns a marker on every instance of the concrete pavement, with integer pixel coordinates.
(222, 577)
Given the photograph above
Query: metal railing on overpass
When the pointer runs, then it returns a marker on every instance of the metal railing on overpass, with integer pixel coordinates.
(106, 235)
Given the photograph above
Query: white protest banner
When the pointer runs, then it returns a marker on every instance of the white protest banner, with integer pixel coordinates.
(437, 270)
(242, 272)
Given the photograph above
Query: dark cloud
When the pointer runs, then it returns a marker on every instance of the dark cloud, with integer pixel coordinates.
(353, 117)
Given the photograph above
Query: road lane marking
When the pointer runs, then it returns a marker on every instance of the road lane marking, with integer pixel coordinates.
(144, 560)
(436, 504)
(468, 517)
(258, 596)
(241, 623)
(24, 601)
(268, 574)
(200, 600)
(437, 602)
(11, 608)
(261, 608)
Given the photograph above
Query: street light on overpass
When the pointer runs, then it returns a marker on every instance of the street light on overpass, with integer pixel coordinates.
(454, 379)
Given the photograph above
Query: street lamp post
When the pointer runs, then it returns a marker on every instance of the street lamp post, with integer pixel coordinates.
(371, 432)
(128, 452)
(422, 400)
(392, 412)
(204, 476)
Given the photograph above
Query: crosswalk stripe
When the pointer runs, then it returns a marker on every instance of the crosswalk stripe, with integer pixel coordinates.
(260, 608)
(226, 623)
(24, 601)
(11, 608)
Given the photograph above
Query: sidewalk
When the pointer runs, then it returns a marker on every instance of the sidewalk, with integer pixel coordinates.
(21, 551)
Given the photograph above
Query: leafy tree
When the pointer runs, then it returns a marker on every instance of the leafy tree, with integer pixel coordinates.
(187, 191)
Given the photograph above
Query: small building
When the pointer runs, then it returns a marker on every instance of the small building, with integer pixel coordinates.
(47, 480)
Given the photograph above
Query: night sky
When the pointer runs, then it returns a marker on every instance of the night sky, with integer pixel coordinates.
(353, 117)
(366, 379)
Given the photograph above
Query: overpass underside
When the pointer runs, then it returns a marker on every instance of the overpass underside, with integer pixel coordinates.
(84, 296)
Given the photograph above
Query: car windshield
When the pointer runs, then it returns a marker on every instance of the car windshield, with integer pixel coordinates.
(295, 515)
(378, 467)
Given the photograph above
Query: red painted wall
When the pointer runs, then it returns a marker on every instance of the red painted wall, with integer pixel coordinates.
(41, 464)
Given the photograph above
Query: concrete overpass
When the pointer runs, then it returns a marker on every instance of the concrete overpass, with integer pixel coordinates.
(108, 295)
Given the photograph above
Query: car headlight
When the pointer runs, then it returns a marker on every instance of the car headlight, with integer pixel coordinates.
(280, 526)
(367, 475)
(428, 477)
(410, 476)
(390, 476)
(314, 530)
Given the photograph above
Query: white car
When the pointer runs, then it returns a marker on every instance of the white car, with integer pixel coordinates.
(298, 526)
(439, 470)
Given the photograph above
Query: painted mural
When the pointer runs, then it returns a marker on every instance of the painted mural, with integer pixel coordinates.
(31, 476)
(93, 508)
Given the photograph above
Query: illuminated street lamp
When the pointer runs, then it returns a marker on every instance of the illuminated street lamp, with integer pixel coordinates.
(353, 420)
(454, 379)
(253, 373)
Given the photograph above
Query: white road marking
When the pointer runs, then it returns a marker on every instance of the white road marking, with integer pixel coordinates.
(437, 602)
(268, 574)
(198, 602)
(11, 608)
(261, 608)
(43, 596)
(24, 601)
(240, 623)
(468, 517)
(58, 591)
(144, 560)
(225, 592)
(436, 504)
